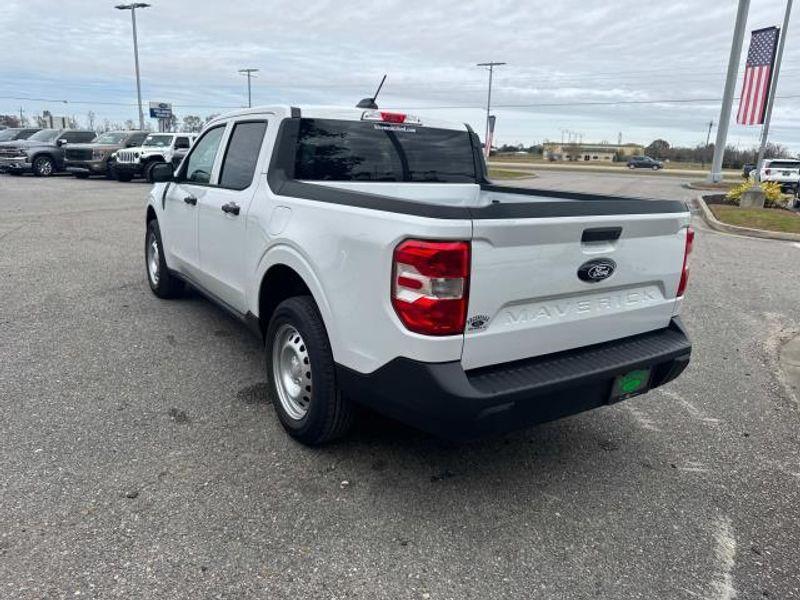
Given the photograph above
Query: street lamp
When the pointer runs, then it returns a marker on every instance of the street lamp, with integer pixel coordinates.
(249, 73)
(132, 8)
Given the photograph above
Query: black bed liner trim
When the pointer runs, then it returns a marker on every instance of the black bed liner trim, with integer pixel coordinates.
(280, 177)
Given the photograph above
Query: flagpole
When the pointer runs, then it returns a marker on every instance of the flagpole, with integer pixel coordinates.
(772, 89)
(730, 86)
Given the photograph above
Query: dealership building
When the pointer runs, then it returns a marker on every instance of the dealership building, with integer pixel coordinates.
(589, 152)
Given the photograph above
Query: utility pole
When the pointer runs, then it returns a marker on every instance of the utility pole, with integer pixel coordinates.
(708, 139)
(132, 8)
(249, 74)
(773, 88)
(491, 66)
(715, 175)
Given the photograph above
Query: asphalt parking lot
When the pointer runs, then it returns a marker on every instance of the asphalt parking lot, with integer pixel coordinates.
(139, 458)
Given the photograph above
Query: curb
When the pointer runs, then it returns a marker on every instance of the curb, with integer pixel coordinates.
(714, 223)
(690, 186)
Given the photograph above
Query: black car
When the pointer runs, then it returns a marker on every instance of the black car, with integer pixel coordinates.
(17, 133)
(43, 153)
(644, 162)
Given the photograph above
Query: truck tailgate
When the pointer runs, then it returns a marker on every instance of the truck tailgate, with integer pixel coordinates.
(526, 298)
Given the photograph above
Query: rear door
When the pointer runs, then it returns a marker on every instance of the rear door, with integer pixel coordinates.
(530, 290)
(222, 213)
(193, 183)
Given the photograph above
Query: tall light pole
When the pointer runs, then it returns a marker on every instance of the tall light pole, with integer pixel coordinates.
(491, 66)
(715, 175)
(132, 8)
(249, 73)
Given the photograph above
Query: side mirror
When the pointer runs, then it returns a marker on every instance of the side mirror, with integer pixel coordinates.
(162, 173)
(61, 142)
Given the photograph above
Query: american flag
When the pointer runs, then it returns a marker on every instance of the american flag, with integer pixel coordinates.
(757, 76)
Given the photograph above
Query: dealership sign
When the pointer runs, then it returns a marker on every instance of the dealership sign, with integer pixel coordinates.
(160, 110)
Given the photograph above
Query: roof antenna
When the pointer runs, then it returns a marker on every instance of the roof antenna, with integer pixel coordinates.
(370, 102)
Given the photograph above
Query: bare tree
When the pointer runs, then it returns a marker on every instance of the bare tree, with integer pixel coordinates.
(192, 123)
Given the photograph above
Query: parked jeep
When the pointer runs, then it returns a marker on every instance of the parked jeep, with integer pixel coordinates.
(157, 148)
(83, 160)
(43, 153)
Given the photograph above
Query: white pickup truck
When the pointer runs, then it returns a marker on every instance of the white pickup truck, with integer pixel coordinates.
(785, 171)
(381, 267)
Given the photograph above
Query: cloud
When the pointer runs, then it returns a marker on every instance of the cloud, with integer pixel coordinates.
(561, 53)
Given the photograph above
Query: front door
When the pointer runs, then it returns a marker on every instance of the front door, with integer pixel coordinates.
(182, 202)
(222, 215)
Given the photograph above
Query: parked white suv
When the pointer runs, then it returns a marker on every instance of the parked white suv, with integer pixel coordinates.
(157, 148)
(380, 266)
(785, 171)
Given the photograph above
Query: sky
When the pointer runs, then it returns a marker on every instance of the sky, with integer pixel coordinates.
(670, 58)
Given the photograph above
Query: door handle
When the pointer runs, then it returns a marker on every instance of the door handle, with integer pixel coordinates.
(190, 200)
(231, 208)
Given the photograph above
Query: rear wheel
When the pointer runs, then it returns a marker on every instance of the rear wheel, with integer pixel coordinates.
(631, 166)
(43, 166)
(162, 282)
(123, 176)
(302, 374)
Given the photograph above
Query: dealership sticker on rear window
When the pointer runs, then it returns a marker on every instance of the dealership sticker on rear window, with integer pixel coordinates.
(403, 128)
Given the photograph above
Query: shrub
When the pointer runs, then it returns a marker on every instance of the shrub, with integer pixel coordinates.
(772, 191)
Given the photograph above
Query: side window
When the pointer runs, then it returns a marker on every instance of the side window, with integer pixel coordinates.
(77, 137)
(72, 137)
(201, 160)
(181, 142)
(242, 154)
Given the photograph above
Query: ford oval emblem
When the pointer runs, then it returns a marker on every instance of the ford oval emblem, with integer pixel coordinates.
(597, 270)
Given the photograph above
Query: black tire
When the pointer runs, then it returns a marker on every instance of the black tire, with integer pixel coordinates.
(329, 415)
(148, 170)
(125, 177)
(164, 284)
(43, 166)
(81, 175)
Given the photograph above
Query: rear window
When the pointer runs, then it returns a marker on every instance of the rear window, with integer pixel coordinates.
(334, 150)
(784, 164)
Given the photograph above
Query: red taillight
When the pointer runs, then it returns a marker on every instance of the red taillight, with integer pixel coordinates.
(685, 271)
(430, 285)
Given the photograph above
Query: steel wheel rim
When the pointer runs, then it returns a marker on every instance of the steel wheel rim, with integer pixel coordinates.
(153, 263)
(291, 371)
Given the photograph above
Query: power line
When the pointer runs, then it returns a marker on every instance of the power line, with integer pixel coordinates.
(422, 107)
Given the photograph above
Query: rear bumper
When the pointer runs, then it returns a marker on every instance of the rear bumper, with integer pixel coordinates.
(445, 400)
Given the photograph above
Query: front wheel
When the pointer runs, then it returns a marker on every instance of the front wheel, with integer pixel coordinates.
(302, 374)
(162, 283)
(123, 176)
(43, 166)
(655, 167)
